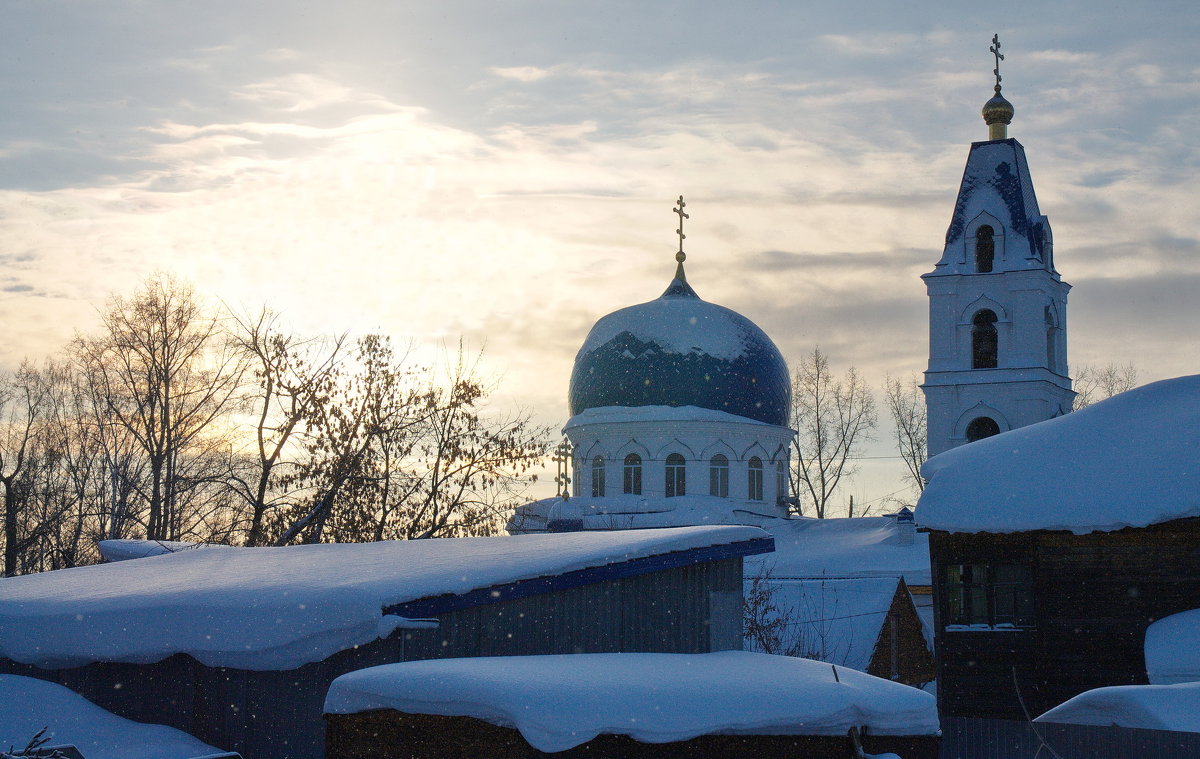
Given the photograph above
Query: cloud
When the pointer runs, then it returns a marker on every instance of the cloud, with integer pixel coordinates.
(521, 73)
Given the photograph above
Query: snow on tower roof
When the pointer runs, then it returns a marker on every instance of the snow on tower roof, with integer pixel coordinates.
(1171, 652)
(558, 702)
(279, 608)
(997, 181)
(1129, 461)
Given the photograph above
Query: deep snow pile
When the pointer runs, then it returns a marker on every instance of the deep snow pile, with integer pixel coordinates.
(27, 705)
(558, 702)
(859, 547)
(279, 608)
(1129, 461)
(1172, 653)
(1150, 707)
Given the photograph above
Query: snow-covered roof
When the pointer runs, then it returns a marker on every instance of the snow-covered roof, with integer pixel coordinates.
(30, 704)
(834, 619)
(558, 702)
(1128, 461)
(123, 550)
(1150, 707)
(858, 547)
(635, 512)
(624, 414)
(1172, 655)
(279, 608)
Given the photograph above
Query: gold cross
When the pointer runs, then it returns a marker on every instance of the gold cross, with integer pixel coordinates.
(995, 49)
(679, 210)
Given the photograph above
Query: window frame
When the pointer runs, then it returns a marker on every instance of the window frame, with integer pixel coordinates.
(598, 473)
(988, 596)
(718, 476)
(754, 479)
(675, 476)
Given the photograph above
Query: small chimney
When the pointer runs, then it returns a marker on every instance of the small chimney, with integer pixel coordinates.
(906, 527)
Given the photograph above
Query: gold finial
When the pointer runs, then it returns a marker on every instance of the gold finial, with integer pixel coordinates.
(680, 256)
(997, 112)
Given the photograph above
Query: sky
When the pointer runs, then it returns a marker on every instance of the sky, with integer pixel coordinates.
(505, 171)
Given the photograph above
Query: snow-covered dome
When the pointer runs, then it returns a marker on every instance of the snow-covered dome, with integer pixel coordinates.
(680, 350)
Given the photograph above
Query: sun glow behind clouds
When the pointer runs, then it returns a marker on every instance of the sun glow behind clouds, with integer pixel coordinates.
(518, 196)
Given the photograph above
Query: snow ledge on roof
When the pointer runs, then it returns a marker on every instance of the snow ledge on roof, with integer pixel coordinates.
(1128, 461)
(280, 608)
(558, 702)
(1149, 707)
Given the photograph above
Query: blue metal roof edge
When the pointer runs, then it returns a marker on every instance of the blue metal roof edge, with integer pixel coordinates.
(432, 606)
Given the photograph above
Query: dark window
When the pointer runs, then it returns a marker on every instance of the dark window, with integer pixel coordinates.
(718, 476)
(676, 482)
(985, 249)
(989, 595)
(982, 427)
(1051, 335)
(983, 340)
(598, 477)
(755, 480)
(633, 474)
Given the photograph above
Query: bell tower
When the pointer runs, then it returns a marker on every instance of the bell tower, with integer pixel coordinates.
(997, 305)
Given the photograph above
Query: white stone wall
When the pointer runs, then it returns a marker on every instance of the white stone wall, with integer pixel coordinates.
(697, 441)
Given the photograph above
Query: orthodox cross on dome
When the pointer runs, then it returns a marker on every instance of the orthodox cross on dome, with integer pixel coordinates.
(995, 49)
(563, 458)
(680, 256)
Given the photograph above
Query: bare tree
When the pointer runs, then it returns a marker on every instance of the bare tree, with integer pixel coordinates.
(906, 404)
(164, 373)
(833, 417)
(468, 468)
(347, 424)
(23, 406)
(1095, 383)
(292, 376)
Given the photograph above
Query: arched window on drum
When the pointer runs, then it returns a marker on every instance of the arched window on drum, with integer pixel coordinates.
(718, 476)
(632, 475)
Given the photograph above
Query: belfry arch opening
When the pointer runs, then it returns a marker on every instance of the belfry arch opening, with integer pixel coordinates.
(981, 427)
(984, 342)
(985, 249)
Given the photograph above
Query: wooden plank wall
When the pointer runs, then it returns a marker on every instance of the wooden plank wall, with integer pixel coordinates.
(967, 738)
(1094, 597)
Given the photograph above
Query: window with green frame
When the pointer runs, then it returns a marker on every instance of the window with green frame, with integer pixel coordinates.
(989, 595)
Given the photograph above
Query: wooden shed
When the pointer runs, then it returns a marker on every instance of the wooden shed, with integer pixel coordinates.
(1053, 547)
(865, 623)
(238, 646)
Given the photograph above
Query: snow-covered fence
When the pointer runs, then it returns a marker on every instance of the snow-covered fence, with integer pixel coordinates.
(973, 738)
